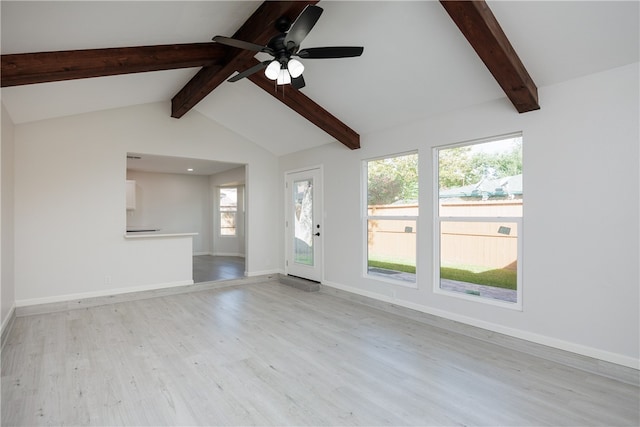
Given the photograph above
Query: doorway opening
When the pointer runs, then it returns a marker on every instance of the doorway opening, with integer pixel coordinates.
(200, 196)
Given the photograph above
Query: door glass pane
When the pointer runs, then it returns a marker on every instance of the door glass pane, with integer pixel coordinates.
(303, 221)
(479, 258)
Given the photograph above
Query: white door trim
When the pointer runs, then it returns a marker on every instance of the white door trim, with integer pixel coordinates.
(318, 203)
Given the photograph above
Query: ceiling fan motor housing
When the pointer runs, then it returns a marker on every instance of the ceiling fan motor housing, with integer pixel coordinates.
(283, 24)
(280, 51)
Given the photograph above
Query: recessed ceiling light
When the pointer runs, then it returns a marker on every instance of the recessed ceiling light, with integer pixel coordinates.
(190, 170)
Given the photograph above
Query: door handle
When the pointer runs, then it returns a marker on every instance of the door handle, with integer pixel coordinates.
(317, 234)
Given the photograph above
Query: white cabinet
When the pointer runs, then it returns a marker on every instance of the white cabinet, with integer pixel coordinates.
(131, 195)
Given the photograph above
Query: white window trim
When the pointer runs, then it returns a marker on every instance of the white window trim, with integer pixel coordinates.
(517, 306)
(365, 224)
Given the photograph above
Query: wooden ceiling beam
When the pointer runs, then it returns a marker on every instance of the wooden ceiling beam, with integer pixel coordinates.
(478, 24)
(258, 29)
(43, 67)
(308, 109)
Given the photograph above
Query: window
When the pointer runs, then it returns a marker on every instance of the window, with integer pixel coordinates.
(228, 211)
(391, 216)
(478, 243)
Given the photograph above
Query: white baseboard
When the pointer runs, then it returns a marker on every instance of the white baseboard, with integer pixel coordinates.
(142, 292)
(7, 324)
(228, 254)
(96, 294)
(523, 337)
(219, 254)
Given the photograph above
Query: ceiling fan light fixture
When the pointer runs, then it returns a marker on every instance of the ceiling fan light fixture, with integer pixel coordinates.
(295, 68)
(284, 78)
(273, 70)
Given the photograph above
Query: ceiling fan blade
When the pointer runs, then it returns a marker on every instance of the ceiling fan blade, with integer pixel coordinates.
(331, 52)
(297, 82)
(242, 44)
(249, 71)
(301, 27)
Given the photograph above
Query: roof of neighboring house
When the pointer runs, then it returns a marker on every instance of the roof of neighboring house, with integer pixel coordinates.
(499, 187)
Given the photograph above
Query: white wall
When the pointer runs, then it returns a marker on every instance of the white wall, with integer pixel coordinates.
(70, 200)
(7, 288)
(229, 245)
(175, 203)
(581, 227)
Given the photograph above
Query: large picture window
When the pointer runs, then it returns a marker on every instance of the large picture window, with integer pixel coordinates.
(391, 217)
(479, 207)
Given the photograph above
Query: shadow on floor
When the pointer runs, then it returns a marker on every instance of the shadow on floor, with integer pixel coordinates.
(207, 268)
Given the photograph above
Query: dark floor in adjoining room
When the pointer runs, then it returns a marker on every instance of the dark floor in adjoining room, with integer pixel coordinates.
(208, 268)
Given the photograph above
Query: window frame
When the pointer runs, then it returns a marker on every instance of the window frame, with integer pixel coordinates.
(365, 217)
(235, 212)
(438, 220)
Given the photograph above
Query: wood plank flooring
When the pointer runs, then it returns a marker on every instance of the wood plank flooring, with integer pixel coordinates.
(208, 268)
(269, 354)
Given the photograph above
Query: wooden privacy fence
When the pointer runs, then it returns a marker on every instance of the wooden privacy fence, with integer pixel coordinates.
(483, 244)
(488, 244)
(392, 240)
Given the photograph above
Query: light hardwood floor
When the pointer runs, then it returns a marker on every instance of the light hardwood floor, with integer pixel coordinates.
(269, 354)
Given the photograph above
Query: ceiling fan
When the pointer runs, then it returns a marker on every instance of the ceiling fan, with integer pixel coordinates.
(284, 69)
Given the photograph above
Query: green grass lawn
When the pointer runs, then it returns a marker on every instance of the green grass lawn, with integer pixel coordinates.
(395, 266)
(499, 278)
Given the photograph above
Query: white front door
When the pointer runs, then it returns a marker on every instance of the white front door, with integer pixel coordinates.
(303, 224)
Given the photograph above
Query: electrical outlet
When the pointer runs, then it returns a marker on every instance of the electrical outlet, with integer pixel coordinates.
(107, 279)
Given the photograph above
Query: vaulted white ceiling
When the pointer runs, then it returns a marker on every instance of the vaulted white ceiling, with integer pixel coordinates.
(416, 63)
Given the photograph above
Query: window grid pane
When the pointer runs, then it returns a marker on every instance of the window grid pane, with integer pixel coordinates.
(391, 248)
(479, 213)
(228, 211)
(391, 217)
(480, 258)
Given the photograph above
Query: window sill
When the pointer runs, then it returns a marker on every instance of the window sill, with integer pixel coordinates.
(516, 306)
(391, 278)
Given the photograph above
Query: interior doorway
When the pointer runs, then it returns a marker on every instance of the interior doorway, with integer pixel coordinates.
(200, 196)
